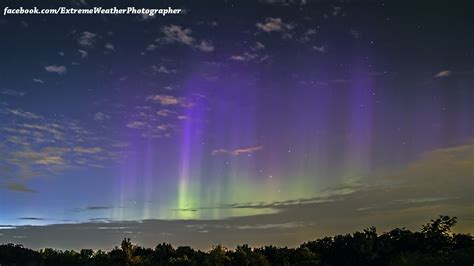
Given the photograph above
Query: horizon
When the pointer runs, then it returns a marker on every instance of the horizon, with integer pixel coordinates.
(450, 232)
(271, 122)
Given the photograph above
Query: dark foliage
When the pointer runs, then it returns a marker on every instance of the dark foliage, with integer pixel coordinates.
(433, 245)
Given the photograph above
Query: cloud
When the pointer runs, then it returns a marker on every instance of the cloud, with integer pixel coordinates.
(56, 69)
(38, 80)
(109, 47)
(99, 116)
(443, 74)
(12, 92)
(321, 49)
(164, 127)
(273, 25)
(205, 46)
(83, 53)
(419, 183)
(50, 160)
(355, 33)
(175, 33)
(23, 114)
(151, 47)
(166, 112)
(163, 69)
(165, 99)
(236, 152)
(402, 203)
(244, 57)
(52, 129)
(336, 10)
(251, 54)
(157, 118)
(40, 146)
(44, 157)
(89, 150)
(258, 46)
(19, 188)
(87, 39)
(288, 225)
(310, 32)
(31, 218)
(136, 124)
(92, 208)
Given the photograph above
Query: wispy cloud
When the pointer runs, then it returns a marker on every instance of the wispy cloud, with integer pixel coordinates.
(136, 124)
(355, 33)
(274, 25)
(89, 150)
(56, 69)
(244, 57)
(151, 47)
(31, 218)
(237, 152)
(258, 46)
(166, 99)
(166, 112)
(99, 116)
(35, 147)
(443, 74)
(162, 69)
(252, 53)
(321, 49)
(87, 39)
(159, 115)
(205, 46)
(12, 92)
(109, 47)
(19, 188)
(83, 53)
(21, 113)
(92, 208)
(175, 33)
(49, 160)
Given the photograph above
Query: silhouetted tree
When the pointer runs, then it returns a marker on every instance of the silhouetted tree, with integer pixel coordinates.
(218, 256)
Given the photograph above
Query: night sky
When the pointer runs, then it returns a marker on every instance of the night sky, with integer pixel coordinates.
(259, 122)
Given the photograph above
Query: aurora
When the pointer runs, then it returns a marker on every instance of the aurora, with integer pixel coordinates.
(266, 122)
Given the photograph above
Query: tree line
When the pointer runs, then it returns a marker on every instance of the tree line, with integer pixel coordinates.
(433, 245)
